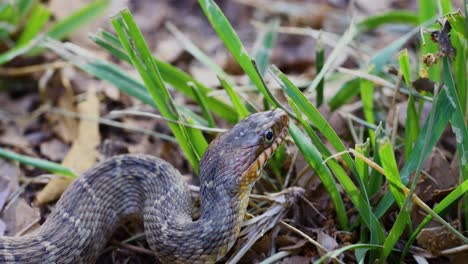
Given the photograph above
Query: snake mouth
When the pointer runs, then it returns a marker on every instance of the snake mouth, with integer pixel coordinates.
(254, 169)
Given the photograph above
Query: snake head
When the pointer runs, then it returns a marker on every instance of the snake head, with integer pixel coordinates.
(236, 158)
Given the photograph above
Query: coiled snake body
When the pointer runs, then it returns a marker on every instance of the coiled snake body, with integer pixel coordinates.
(94, 205)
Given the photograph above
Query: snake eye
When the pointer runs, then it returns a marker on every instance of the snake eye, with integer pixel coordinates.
(269, 135)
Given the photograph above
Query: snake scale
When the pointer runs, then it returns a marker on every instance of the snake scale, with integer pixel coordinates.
(94, 205)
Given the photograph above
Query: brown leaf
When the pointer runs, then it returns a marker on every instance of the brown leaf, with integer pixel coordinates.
(26, 216)
(437, 239)
(296, 260)
(54, 149)
(66, 127)
(326, 241)
(83, 153)
(9, 174)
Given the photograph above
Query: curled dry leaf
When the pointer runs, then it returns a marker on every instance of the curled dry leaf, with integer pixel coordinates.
(83, 153)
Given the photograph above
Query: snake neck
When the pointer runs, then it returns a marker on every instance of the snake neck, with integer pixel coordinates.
(177, 238)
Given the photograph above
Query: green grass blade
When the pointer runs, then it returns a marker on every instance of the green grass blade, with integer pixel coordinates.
(412, 117)
(387, 157)
(459, 64)
(141, 57)
(19, 50)
(39, 17)
(196, 52)
(457, 21)
(366, 89)
(232, 42)
(38, 163)
(391, 17)
(337, 252)
(428, 10)
(381, 59)
(445, 6)
(395, 232)
(201, 100)
(358, 197)
(450, 199)
(64, 27)
(361, 166)
(319, 63)
(172, 75)
(314, 159)
(442, 111)
(23, 7)
(235, 99)
(458, 124)
(264, 45)
(347, 91)
(337, 51)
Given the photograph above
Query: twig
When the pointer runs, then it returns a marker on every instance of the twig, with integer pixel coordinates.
(134, 248)
(315, 243)
(110, 123)
(119, 113)
(18, 71)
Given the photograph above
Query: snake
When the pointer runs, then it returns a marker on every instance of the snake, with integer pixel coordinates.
(97, 202)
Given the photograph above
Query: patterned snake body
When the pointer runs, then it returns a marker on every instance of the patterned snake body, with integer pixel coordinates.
(96, 203)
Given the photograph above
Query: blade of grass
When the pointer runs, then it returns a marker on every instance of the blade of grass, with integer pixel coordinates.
(391, 17)
(337, 51)
(201, 99)
(413, 197)
(313, 158)
(337, 252)
(38, 163)
(39, 17)
(412, 117)
(458, 124)
(196, 52)
(347, 91)
(366, 89)
(193, 145)
(235, 99)
(457, 21)
(387, 157)
(264, 45)
(450, 199)
(358, 197)
(460, 46)
(232, 42)
(64, 27)
(428, 10)
(172, 75)
(319, 63)
(24, 7)
(361, 166)
(19, 50)
(443, 111)
(381, 58)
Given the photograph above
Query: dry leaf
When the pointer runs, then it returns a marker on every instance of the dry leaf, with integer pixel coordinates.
(66, 127)
(327, 241)
(54, 149)
(26, 215)
(9, 174)
(437, 239)
(83, 153)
